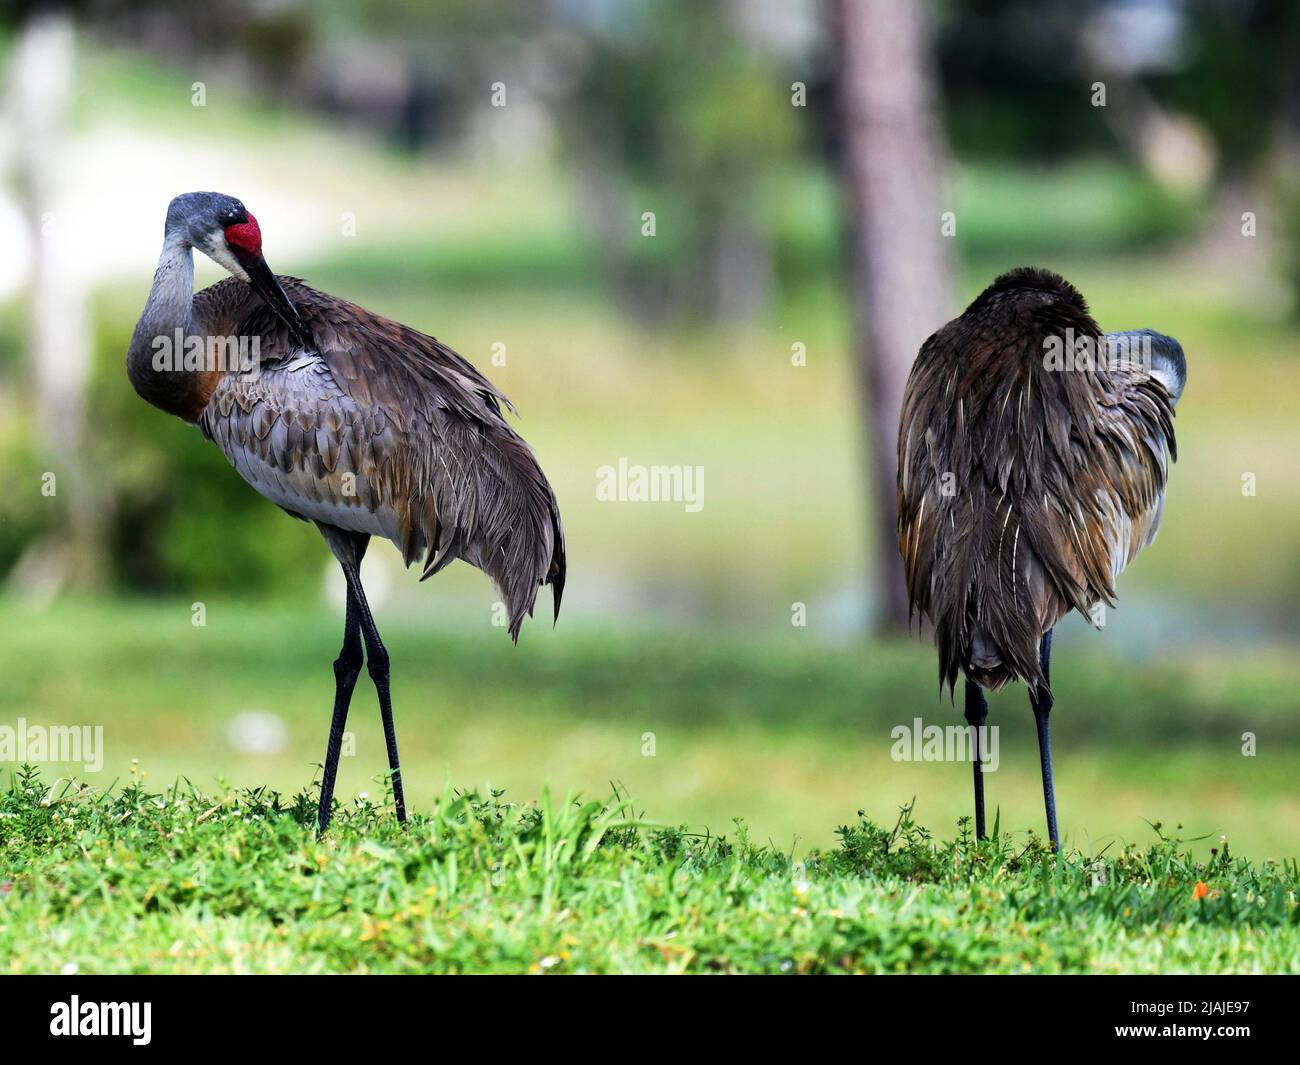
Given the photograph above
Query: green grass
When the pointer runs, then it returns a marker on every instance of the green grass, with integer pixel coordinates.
(238, 882)
(788, 732)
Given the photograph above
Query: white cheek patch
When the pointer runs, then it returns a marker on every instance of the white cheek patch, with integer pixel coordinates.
(1167, 374)
(219, 252)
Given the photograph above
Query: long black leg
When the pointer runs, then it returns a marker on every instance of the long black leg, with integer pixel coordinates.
(1041, 701)
(377, 663)
(977, 712)
(347, 667)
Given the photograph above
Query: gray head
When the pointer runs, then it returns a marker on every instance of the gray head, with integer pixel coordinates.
(222, 228)
(219, 226)
(1167, 362)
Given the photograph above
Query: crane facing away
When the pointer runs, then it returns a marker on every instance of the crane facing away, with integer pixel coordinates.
(1033, 453)
(359, 424)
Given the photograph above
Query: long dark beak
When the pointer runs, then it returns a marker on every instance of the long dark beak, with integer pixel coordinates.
(265, 284)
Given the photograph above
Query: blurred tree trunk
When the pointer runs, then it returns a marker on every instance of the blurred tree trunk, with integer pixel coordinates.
(41, 85)
(900, 263)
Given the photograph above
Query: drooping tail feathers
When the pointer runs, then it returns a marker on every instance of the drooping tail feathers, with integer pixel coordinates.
(498, 513)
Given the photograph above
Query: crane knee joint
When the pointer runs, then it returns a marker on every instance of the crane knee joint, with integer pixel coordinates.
(377, 662)
(346, 669)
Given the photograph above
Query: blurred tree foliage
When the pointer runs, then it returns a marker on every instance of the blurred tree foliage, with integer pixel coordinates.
(26, 513)
(1015, 72)
(687, 115)
(683, 108)
(665, 106)
(1242, 78)
(1012, 80)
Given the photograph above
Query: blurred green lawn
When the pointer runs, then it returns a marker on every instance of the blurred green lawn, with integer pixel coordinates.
(792, 737)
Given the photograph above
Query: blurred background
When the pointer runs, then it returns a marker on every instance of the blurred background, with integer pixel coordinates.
(697, 234)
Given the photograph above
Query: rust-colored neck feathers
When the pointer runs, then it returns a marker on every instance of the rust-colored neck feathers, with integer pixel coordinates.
(170, 360)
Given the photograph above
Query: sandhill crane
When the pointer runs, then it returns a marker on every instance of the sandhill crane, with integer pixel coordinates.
(1033, 453)
(349, 420)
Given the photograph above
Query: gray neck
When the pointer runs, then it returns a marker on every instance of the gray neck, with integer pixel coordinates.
(170, 307)
(170, 299)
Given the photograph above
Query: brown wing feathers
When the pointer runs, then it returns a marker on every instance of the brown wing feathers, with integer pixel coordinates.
(418, 427)
(1023, 489)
